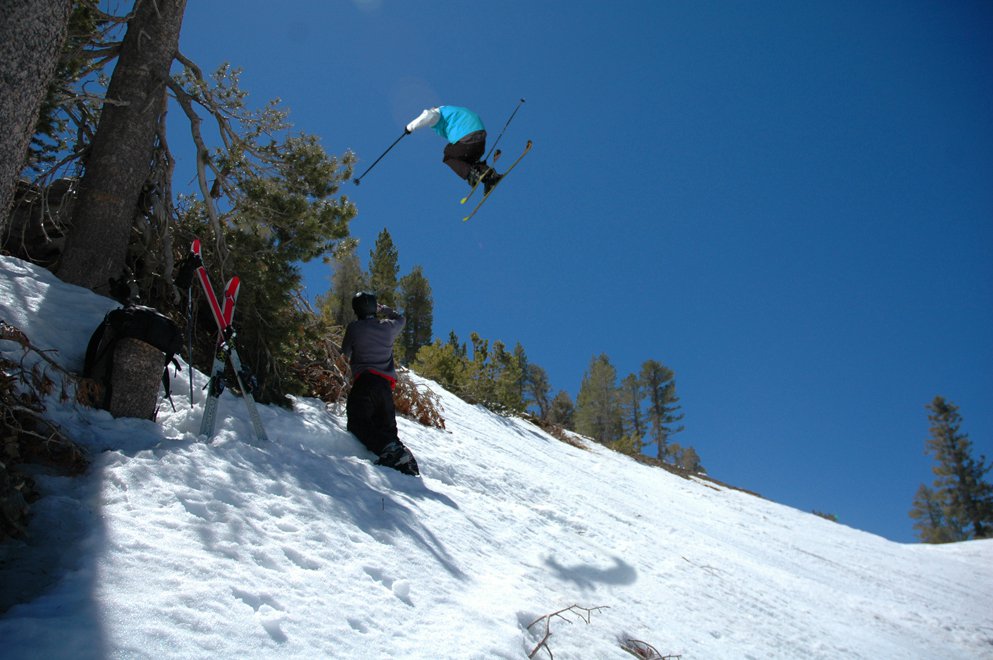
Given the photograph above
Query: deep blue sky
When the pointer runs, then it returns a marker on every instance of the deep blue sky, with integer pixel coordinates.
(788, 203)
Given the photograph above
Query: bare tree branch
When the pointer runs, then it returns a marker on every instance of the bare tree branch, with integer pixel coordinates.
(644, 650)
(203, 159)
(584, 613)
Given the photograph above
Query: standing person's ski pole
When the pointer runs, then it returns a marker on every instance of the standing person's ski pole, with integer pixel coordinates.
(359, 179)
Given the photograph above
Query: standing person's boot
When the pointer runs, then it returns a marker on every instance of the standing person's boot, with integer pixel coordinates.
(398, 457)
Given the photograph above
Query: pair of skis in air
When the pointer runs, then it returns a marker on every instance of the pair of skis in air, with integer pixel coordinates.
(223, 313)
(496, 156)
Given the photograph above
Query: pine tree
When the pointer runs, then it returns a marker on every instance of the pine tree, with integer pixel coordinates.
(629, 444)
(508, 375)
(521, 374)
(492, 377)
(443, 364)
(929, 516)
(285, 218)
(418, 308)
(632, 395)
(347, 279)
(690, 460)
(960, 505)
(479, 382)
(539, 390)
(685, 457)
(597, 408)
(457, 346)
(561, 411)
(384, 268)
(663, 404)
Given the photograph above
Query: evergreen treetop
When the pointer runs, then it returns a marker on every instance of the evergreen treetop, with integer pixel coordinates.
(384, 268)
(597, 413)
(959, 506)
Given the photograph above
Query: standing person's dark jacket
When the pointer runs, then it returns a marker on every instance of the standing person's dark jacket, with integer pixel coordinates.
(368, 344)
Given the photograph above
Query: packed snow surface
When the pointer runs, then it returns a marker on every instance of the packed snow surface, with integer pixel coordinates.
(176, 546)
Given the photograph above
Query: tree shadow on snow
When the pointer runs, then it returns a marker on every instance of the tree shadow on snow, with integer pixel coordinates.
(587, 576)
(48, 603)
(379, 501)
(69, 535)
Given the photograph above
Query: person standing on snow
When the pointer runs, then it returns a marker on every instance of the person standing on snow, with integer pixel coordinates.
(466, 137)
(368, 346)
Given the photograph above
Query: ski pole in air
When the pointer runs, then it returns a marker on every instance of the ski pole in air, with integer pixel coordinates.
(359, 179)
(503, 129)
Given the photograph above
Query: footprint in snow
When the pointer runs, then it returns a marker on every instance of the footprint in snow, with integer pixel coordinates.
(271, 623)
(256, 601)
(300, 559)
(400, 588)
(267, 612)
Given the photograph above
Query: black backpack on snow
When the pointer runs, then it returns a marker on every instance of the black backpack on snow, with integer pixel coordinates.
(136, 322)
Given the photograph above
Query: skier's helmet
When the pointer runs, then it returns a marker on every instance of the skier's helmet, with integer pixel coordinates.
(364, 304)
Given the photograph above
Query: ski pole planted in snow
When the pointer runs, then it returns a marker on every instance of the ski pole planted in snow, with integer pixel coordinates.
(184, 280)
(359, 179)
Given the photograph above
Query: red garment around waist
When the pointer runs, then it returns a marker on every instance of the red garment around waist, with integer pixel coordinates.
(389, 379)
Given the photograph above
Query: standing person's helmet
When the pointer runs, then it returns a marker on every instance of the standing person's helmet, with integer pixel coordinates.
(364, 304)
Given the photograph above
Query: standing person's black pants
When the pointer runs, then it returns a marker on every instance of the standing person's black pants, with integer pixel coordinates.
(371, 415)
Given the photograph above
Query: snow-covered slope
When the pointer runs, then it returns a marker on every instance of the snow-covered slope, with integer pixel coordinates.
(173, 546)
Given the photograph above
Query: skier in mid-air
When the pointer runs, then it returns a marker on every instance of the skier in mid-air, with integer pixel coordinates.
(368, 346)
(466, 146)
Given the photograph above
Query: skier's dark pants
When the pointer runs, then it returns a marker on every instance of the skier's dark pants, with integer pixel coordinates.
(465, 153)
(371, 415)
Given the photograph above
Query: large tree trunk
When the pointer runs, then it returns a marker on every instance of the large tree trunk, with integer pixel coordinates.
(121, 154)
(32, 33)
(136, 379)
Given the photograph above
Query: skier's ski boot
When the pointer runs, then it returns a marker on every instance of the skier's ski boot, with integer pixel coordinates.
(477, 172)
(490, 180)
(398, 457)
